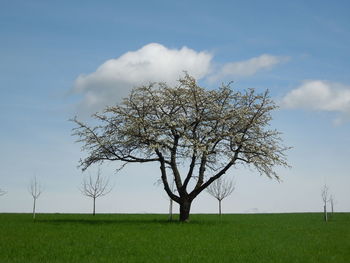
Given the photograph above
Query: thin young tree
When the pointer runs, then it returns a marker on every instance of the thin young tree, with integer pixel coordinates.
(325, 198)
(95, 187)
(35, 190)
(209, 131)
(220, 189)
(171, 202)
(332, 202)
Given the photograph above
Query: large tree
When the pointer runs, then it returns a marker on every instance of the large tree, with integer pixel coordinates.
(196, 135)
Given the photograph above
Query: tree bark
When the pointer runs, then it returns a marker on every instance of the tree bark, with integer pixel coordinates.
(220, 208)
(325, 213)
(185, 207)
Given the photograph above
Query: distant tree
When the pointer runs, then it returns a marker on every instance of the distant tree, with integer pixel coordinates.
(95, 187)
(171, 201)
(209, 131)
(2, 192)
(332, 201)
(325, 198)
(35, 189)
(220, 189)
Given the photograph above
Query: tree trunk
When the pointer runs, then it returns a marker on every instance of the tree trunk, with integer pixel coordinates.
(325, 213)
(93, 211)
(331, 215)
(171, 202)
(171, 210)
(332, 207)
(185, 207)
(34, 209)
(220, 208)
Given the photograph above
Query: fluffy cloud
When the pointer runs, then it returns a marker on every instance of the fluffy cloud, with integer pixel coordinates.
(320, 96)
(115, 78)
(247, 67)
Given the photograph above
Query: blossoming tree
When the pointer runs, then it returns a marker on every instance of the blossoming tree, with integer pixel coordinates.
(186, 128)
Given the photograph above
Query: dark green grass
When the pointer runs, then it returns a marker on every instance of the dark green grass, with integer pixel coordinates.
(151, 238)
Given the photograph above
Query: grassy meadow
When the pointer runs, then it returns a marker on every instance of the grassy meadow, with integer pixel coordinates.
(151, 238)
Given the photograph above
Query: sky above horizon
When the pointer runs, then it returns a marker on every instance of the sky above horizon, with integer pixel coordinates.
(60, 59)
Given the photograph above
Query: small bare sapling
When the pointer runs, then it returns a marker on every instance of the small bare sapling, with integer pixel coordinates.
(35, 190)
(221, 189)
(95, 187)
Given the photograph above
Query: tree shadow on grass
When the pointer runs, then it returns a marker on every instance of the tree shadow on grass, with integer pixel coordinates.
(100, 222)
(128, 221)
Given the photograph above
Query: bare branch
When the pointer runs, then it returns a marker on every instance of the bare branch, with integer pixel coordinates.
(221, 188)
(35, 189)
(2, 192)
(325, 194)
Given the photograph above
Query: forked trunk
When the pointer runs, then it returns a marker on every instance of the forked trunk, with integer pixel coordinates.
(185, 207)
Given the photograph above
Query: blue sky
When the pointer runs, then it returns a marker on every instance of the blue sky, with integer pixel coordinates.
(299, 50)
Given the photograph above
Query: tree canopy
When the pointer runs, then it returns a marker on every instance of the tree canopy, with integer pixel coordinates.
(207, 131)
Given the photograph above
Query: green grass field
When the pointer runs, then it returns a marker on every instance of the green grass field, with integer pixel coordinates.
(151, 238)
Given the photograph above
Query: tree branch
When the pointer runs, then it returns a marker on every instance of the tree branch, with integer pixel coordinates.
(164, 177)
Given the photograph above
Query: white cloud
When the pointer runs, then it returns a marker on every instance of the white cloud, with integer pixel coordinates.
(116, 77)
(319, 95)
(154, 62)
(247, 67)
